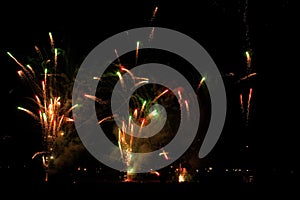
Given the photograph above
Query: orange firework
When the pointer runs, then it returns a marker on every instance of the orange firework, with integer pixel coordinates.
(248, 105)
(53, 112)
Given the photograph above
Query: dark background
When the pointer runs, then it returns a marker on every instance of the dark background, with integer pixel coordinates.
(217, 25)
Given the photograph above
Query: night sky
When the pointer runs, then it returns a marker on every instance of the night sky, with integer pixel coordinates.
(217, 25)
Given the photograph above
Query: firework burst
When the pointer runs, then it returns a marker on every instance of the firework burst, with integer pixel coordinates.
(149, 103)
(52, 102)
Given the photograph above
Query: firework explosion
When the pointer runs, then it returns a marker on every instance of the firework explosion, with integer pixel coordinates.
(249, 70)
(52, 104)
(247, 74)
(54, 108)
(149, 103)
(143, 110)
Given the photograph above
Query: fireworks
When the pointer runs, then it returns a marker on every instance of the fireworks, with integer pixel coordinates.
(157, 105)
(52, 102)
(53, 108)
(249, 70)
(153, 111)
(248, 102)
(127, 133)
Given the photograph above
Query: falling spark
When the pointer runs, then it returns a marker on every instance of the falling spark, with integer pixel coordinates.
(20, 64)
(96, 78)
(142, 125)
(154, 14)
(38, 153)
(38, 51)
(201, 82)
(51, 40)
(106, 119)
(151, 36)
(140, 83)
(165, 154)
(143, 106)
(248, 57)
(248, 104)
(157, 97)
(186, 103)
(94, 98)
(180, 96)
(121, 79)
(248, 76)
(29, 112)
(55, 57)
(135, 113)
(241, 103)
(118, 57)
(154, 172)
(137, 52)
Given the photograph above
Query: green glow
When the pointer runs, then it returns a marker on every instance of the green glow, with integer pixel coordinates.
(9, 54)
